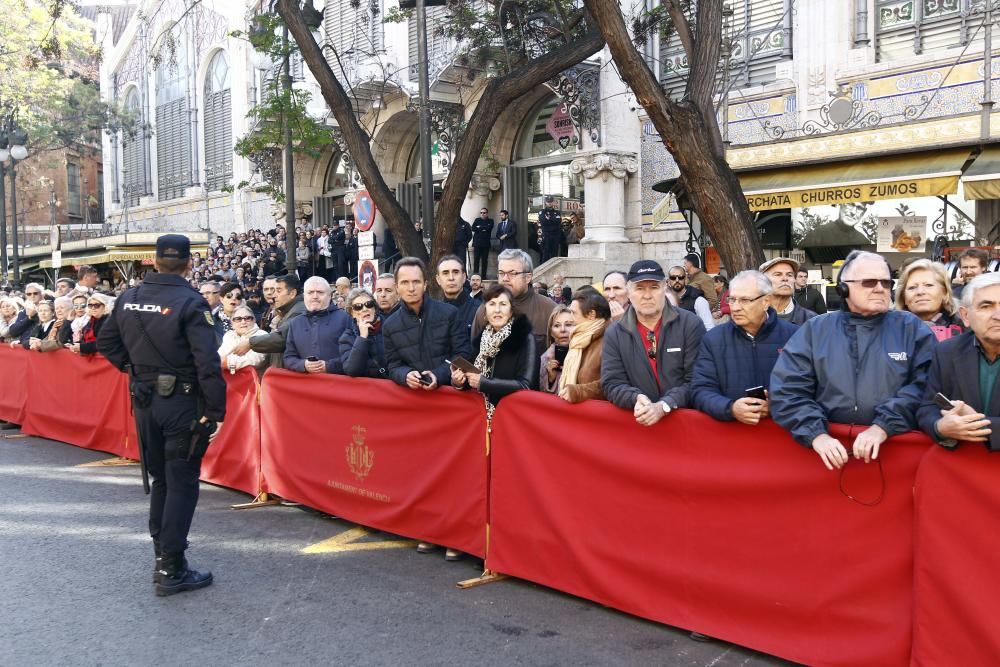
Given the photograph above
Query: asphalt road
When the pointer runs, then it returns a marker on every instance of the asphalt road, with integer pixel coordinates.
(76, 588)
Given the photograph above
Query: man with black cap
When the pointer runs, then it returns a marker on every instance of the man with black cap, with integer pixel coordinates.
(162, 334)
(550, 224)
(649, 354)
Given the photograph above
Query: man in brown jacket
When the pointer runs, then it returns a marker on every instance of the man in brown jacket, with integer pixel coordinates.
(514, 269)
(701, 280)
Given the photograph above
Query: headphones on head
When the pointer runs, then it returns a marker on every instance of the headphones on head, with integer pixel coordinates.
(843, 289)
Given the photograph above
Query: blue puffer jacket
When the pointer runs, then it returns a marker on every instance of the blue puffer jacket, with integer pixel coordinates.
(424, 341)
(363, 357)
(845, 368)
(316, 334)
(731, 361)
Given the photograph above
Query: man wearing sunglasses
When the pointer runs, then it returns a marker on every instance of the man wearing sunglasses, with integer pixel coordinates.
(649, 354)
(862, 365)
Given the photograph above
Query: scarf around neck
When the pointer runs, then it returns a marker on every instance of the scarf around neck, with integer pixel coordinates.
(489, 347)
(582, 336)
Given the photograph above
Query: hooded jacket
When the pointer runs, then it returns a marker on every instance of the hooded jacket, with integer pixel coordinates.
(732, 361)
(846, 368)
(625, 367)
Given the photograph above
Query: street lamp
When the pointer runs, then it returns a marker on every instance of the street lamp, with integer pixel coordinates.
(13, 147)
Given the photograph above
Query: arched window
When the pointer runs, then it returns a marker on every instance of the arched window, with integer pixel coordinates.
(134, 154)
(173, 125)
(218, 124)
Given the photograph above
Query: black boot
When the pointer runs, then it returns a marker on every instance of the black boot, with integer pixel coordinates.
(158, 564)
(176, 577)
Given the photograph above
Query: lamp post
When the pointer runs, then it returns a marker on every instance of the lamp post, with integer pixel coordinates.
(13, 147)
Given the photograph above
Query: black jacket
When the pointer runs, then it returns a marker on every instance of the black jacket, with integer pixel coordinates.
(810, 299)
(467, 307)
(507, 228)
(463, 234)
(424, 341)
(481, 229)
(688, 297)
(516, 365)
(363, 357)
(955, 373)
(625, 368)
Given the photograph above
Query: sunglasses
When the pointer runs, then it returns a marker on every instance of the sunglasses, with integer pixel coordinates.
(676, 277)
(79, 306)
(95, 305)
(243, 318)
(32, 294)
(651, 339)
(358, 307)
(234, 295)
(870, 283)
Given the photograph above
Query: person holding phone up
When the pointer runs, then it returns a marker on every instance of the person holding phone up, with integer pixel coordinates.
(961, 402)
(734, 364)
(561, 325)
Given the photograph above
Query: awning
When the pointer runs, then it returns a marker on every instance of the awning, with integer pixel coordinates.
(925, 174)
(106, 255)
(982, 179)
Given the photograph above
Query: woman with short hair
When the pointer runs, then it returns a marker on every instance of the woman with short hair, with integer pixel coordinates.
(581, 374)
(244, 328)
(231, 295)
(362, 350)
(12, 315)
(98, 309)
(925, 291)
(39, 332)
(62, 332)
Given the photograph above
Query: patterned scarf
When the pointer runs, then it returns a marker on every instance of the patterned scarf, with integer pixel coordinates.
(489, 347)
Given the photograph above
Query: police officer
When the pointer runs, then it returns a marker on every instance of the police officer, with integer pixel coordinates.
(550, 224)
(162, 334)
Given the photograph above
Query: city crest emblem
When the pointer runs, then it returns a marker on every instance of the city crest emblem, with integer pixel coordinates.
(360, 458)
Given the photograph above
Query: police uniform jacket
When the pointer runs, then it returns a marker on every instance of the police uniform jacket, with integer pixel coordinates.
(177, 321)
(551, 223)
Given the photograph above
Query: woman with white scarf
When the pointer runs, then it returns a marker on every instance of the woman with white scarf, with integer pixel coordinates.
(11, 315)
(244, 328)
(506, 361)
(581, 371)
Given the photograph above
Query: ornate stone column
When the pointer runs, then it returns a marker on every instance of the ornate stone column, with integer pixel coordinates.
(481, 190)
(605, 173)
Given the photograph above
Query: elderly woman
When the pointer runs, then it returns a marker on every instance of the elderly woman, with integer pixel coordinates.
(41, 331)
(244, 328)
(506, 359)
(61, 332)
(925, 291)
(12, 316)
(581, 375)
(232, 296)
(98, 308)
(561, 325)
(721, 284)
(362, 352)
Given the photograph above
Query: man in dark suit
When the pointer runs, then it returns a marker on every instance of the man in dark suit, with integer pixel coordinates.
(966, 370)
(482, 229)
(463, 236)
(506, 231)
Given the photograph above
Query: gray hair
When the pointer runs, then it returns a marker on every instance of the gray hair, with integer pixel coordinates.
(980, 281)
(316, 280)
(763, 283)
(519, 255)
(64, 301)
(859, 255)
(356, 292)
(244, 308)
(40, 288)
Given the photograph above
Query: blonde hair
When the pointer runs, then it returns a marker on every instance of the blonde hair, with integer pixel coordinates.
(556, 312)
(940, 276)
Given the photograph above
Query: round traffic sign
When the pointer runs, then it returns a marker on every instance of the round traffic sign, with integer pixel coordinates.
(364, 211)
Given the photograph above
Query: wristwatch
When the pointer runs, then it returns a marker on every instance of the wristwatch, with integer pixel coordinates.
(666, 407)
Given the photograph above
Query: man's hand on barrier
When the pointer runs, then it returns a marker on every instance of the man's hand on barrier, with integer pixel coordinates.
(963, 423)
(749, 410)
(315, 366)
(830, 450)
(867, 443)
(649, 413)
(413, 380)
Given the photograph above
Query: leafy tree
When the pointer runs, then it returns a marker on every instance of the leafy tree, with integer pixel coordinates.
(687, 123)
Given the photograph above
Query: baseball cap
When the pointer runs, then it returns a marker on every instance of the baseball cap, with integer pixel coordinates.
(779, 260)
(173, 246)
(645, 269)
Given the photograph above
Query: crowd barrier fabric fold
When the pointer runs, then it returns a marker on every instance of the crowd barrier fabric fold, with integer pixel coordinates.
(408, 462)
(957, 585)
(79, 399)
(13, 392)
(734, 531)
(233, 459)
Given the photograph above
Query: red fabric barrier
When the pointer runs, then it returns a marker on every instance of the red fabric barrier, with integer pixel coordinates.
(417, 469)
(233, 460)
(957, 585)
(733, 531)
(12, 387)
(82, 400)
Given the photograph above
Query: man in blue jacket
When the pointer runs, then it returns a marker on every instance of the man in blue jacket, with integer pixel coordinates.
(863, 365)
(313, 342)
(740, 354)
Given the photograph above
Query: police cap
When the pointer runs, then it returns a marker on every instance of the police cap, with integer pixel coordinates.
(173, 246)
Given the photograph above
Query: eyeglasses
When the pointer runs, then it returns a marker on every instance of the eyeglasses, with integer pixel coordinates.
(870, 283)
(32, 294)
(358, 307)
(79, 306)
(651, 350)
(676, 277)
(207, 292)
(511, 274)
(743, 301)
(243, 318)
(95, 305)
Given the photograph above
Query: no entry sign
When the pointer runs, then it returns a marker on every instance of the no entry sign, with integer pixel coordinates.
(364, 211)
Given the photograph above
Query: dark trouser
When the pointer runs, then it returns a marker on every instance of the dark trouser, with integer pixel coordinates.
(340, 263)
(165, 431)
(550, 248)
(352, 267)
(481, 261)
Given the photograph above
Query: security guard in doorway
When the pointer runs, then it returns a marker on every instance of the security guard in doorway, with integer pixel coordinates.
(161, 334)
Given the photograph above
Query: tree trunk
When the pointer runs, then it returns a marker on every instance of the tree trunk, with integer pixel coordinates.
(688, 135)
(358, 141)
